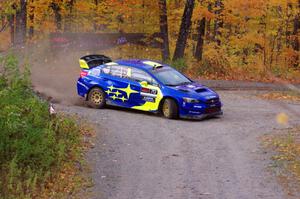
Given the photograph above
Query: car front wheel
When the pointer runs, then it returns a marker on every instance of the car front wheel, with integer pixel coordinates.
(96, 98)
(170, 109)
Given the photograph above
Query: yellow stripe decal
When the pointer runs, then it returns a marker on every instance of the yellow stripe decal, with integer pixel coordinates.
(151, 63)
(151, 106)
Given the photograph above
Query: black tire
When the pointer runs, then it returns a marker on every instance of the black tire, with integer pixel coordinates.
(170, 109)
(96, 98)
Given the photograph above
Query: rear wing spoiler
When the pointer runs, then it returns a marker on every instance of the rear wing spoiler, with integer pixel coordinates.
(92, 61)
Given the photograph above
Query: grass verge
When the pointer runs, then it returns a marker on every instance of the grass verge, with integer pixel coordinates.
(40, 155)
(285, 146)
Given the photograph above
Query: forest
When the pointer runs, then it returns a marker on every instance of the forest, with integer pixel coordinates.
(229, 39)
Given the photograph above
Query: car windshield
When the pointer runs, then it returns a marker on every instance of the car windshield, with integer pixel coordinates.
(170, 77)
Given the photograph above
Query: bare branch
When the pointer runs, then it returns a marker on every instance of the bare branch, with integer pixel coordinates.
(4, 27)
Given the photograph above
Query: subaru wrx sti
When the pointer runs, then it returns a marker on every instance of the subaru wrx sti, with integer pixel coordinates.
(145, 85)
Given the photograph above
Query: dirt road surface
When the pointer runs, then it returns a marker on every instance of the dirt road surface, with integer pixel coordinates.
(144, 156)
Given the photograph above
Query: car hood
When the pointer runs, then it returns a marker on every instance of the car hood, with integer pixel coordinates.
(197, 90)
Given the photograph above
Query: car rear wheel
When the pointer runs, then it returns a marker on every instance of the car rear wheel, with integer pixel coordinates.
(96, 98)
(170, 109)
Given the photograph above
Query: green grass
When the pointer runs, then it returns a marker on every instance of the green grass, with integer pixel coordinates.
(34, 146)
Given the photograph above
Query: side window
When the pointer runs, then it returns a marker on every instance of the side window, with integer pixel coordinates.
(116, 71)
(129, 73)
(95, 72)
(139, 76)
(106, 69)
(126, 72)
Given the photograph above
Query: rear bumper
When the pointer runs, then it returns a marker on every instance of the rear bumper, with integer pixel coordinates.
(82, 89)
(202, 116)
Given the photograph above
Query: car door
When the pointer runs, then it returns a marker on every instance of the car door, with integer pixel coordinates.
(150, 94)
(120, 89)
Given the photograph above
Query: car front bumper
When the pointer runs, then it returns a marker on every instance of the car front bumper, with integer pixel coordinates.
(202, 116)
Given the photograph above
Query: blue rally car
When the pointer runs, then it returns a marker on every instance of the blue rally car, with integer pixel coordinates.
(144, 85)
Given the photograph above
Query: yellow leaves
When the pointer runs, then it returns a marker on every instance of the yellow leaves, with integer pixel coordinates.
(84, 7)
(6, 7)
(200, 12)
(283, 3)
(246, 41)
(248, 8)
(290, 55)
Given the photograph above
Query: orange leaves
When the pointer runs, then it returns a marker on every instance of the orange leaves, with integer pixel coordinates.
(250, 8)
(84, 7)
(202, 11)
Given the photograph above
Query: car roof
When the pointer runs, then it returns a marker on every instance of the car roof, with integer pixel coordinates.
(143, 64)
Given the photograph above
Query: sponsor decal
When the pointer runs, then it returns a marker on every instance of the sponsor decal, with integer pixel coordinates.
(149, 99)
(197, 106)
(120, 93)
(150, 91)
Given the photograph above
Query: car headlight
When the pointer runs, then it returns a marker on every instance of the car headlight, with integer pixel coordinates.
(190, 100)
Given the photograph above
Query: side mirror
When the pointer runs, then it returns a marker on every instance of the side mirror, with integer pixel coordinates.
(144, 83)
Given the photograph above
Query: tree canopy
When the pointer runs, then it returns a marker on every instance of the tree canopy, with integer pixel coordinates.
(253, 35)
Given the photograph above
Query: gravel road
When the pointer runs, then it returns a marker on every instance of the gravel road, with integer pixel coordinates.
(141, 155)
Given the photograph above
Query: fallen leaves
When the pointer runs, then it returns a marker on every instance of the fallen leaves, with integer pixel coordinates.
(285, 96)
(285, 145)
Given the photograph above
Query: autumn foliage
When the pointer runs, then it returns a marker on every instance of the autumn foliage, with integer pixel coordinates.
(217, 38)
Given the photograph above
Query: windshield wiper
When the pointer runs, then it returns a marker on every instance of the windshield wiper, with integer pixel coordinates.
(170, 85)
(180, 84)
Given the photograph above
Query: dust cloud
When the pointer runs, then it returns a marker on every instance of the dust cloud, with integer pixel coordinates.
(54, 74)
(54, 61)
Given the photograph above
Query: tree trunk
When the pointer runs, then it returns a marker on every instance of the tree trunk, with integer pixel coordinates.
(201, 35)
(21, 25)
(208, 23)
(287, 24)
(31, 18)
(3, 24)
(57, 15)
(296, 45)
(11, 20)
(164, 29)
(68, 23)
(218, 22)
(184, 29)
(296, 30)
